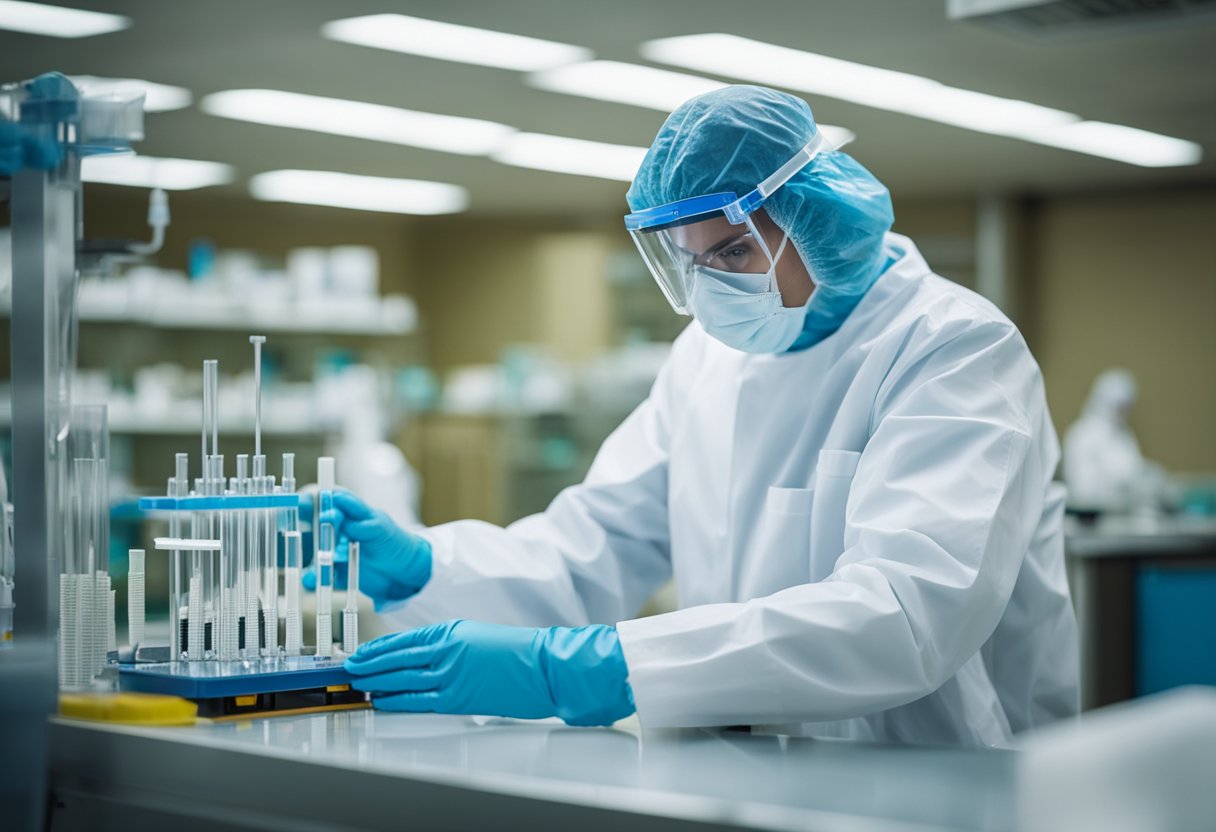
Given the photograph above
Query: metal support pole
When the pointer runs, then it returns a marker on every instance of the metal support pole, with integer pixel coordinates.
(44, 248)
(44, 252)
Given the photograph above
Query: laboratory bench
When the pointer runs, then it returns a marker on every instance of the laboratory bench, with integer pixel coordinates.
(1143, 589)
(375, 770)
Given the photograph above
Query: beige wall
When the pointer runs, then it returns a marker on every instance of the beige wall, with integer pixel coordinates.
(484, 285)
(1130, 280)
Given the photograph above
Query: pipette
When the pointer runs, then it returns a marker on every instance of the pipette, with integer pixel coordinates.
(350, 612)
(325, 557)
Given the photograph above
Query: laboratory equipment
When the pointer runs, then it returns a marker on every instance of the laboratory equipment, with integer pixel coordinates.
(7, 565)
(225, 650)
(350, 612)
(135, 596)
(325, 544)
(47, 249)
(86, 617)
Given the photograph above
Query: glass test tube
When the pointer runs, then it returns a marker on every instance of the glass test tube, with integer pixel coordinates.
(226, 524)
(243, 556)
(325, 576)
(179, 486)
(270, 574)
(292, 562)
(350, 612)
(289, 524)
(255, 559)
(135, 597)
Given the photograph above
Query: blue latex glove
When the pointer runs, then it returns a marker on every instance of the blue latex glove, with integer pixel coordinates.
(467, 667)
(393, 564)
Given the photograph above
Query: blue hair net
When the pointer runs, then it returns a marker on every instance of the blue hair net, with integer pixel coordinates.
(834, 210)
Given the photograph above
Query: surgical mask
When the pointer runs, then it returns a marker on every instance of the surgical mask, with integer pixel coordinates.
(745, 311)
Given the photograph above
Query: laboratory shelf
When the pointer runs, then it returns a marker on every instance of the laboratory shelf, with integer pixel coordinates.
(245, 319)
(168, 426)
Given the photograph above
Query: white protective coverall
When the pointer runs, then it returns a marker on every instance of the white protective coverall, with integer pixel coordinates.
(865, 535)
(1103, 467)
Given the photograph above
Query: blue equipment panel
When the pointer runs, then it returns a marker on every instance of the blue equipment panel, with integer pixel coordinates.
(1175, 627)
(215, 679)
(224, 503)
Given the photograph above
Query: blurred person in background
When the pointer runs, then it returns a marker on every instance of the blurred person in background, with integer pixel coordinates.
(1103, 467)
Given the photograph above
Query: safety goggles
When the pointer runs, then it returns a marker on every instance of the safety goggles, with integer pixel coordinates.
(714, 231)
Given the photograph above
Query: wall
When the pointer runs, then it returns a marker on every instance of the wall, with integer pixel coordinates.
(1130, 280)
(486, 284)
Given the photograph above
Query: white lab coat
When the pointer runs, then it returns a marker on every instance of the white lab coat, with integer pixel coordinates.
(865, 537)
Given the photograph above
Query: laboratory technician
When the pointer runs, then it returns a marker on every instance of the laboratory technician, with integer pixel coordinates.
(846, 464)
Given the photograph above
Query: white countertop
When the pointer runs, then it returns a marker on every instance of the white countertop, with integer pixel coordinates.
(703, 776)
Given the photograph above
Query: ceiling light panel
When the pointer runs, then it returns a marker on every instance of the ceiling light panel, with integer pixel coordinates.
(58, 21)
(622, 83)
(560, 154)
(158, 98)
(340, 117)
(914, 95)
(641, 86)
(450, 42)
(363, 193)
(154, 172)
(1116, 141)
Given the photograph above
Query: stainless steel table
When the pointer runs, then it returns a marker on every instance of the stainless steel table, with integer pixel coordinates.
(373, 770)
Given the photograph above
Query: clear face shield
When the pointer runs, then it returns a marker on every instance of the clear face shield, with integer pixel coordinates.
(716, 231)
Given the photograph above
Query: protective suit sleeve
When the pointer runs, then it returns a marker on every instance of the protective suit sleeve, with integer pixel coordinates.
(947, 493)
(594, 556)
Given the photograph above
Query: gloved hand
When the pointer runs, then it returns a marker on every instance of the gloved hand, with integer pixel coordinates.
(21, 148)
(23, 145)
(468, 667)
(393, 564)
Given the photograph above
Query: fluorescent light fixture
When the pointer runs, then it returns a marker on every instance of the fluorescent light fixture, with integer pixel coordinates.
(363, 193)
(153, 172)
(914, 95)
(1124, 144)
(450, 42)
(560, 154)
(58, 21)
(622, 83)
(158, 97)
(452, 134)
(641, 86)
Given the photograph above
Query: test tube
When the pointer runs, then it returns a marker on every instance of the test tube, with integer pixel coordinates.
(289, 523)
(255, 558)
(350, 612)
(230, 600)
(179, 485)
(292, 561)
(325, 556)
(237, 522)
(135, 596)
(270, 575)
(257, 341)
